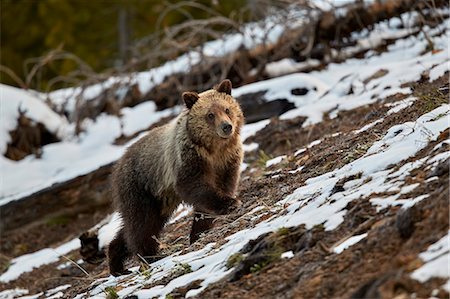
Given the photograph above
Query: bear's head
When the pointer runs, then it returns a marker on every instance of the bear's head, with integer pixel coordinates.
(214, 116)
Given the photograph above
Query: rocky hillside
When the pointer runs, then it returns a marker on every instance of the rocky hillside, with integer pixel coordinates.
(344, 183)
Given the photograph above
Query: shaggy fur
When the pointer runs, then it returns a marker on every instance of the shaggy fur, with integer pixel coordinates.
(195, 158)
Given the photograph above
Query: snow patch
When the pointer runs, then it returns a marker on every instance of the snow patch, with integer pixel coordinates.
(288, 65)
(251, 129)
(439, 70)
(182, 211)
(143, 116)
(287, 255)
(13, 293)
(275, 160)
(250, 147)
(398, 106)
(28, 262)
(368, 126)
(14, 99)
(436, 260)
(349, 242)
(107, 232)
(57, 292)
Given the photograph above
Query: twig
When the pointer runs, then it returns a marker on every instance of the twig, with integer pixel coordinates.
(13, 76)
(76, 264)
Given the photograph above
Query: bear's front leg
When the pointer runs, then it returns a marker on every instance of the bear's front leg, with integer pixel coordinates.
(205, 198)
(200, 224)
(196, 186)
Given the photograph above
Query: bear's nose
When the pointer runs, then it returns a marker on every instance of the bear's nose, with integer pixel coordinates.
(226, 128)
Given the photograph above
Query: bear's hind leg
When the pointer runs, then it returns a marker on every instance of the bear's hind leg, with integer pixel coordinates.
(117, 254)
(143, 231)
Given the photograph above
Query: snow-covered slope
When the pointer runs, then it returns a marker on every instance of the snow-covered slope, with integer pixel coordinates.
(265, 32)
(339, 87)
(62, 161)
(13, 101)
(311, 205)
(377, 176)
(251, 35)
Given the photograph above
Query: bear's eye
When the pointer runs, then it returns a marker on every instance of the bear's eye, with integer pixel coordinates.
(227, 111)
(210, 115)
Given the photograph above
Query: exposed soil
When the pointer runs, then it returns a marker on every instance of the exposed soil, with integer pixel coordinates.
(55, 213)
(28, 138)
(377, 267)
(284, 136)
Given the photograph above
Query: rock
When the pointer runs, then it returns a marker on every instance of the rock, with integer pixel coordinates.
(337, 188)
(440, 170)
(89, 249)
(252, 243)
(299, 91)
(181, 291)
(368, 290)
(405, 221)
(256, 107)
(28, 138)
(306, 241)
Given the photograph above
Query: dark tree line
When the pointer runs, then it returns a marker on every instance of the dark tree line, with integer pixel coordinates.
(100, 33)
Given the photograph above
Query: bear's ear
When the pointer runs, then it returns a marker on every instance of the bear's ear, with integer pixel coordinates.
(190, 98)
(224, 86)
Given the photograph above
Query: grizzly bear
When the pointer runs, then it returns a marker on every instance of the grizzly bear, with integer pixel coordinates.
(194, 159)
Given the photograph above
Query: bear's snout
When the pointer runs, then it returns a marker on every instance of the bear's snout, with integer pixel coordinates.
(225, 129)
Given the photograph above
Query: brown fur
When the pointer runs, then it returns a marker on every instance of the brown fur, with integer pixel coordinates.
(195, 158)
